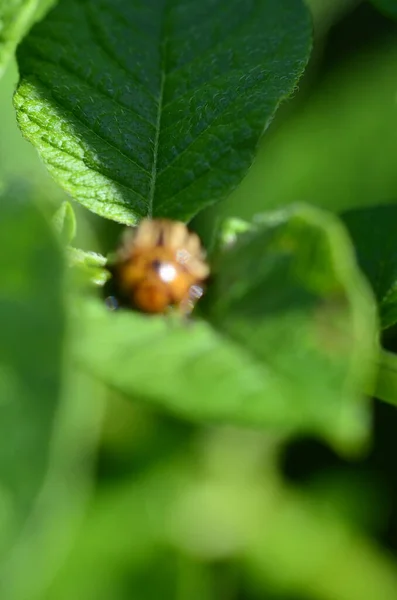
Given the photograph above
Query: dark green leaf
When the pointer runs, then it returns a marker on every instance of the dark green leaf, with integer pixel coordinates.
(152, 108)
(386, 381)
(16, 16)
(31, 317)
(292, 326)
(389, 7)
(46, 432)
(373, 231)
(326, 151)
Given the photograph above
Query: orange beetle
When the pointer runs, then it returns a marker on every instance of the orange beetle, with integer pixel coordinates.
(161, 264)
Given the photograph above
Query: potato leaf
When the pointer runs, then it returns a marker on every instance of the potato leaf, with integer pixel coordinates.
(289, 335)
(45, 459)
(156, 108)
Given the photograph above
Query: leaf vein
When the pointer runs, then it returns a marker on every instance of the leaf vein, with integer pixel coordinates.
(91, 129)
(90, 168)
(110, 54)
(163, 50)
(68, 69)
(205, 130)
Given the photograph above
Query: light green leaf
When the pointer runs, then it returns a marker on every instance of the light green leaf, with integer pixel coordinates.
(65, 222)
(16, 16)
(152, 109)
(209, 503)
(47, 433)
(89, 264)
(231, 230)
(373, 231)
(292, 326)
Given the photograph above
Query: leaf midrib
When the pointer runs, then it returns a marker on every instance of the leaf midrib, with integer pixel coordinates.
(163, 62)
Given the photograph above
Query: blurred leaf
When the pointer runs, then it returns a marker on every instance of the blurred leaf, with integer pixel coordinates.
(120, 536)
(89, 264)
(16, 16)
(373, 231)
(49, 535)
(389, 7)
(31, 315)
(358, 497)
(307, 550)
(23, 173)
(230, 230)
(290, 294)
(147, 109)
(292, 326)
(327, 152)
(217, 501)
(327, 12)
(65, 222)
(386, 382)
(46, 433)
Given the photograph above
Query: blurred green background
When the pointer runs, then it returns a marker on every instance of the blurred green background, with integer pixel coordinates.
(181, 512)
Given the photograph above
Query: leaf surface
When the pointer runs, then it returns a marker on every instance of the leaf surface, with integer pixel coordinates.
(47, 430)
(64, 222)
(290, 324)
(373, 231)
(155, 108)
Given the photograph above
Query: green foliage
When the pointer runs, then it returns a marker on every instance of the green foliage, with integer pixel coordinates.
(289, 344)
(152, 108)
(65, 222)
(31, 309)
(386, 383)
(90, 265)
(208, 508)
(39, 444)
(16, 16)
(373, 231)
(389, 7)
(325, 150)
(156, 110)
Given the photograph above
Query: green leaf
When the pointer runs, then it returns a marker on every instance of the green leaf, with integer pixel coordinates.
(231, 230)
(209, 503)
(152, 109)
(386, 380)
(16, 16)
(47, 432)
(326, 152)
(389, 7)
(373, 231)
(31, 324)
(291, 326)
(65, 222)
(89, 264)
